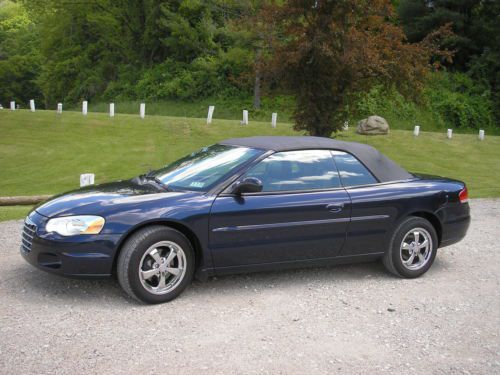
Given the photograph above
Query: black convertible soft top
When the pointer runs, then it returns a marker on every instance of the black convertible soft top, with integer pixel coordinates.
(383, 168)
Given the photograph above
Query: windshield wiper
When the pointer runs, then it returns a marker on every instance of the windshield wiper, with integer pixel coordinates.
(150, 177)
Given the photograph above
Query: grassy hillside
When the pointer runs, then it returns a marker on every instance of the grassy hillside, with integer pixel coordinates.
(44, 153)
(225, 108)
(400, 114)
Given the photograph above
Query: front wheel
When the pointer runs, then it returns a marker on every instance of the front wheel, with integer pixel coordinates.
(156, 264)
(413, 248)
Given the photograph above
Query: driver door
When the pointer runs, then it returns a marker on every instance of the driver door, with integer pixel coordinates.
(301, 214)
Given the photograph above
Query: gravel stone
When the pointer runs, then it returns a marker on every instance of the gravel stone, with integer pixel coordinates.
(345, 319)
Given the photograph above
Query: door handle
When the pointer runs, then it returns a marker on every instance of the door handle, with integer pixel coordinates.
(335, 207)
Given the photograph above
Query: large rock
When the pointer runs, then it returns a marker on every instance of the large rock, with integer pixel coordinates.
(373, 125)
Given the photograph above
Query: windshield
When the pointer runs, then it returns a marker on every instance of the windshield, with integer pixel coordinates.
(205, 168)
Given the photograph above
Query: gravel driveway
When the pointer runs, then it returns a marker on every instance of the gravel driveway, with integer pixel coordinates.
(348, 319)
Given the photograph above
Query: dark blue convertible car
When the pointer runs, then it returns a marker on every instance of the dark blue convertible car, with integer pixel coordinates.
(248, 204)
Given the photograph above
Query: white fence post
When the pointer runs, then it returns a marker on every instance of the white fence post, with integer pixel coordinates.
(142, 110)
(87, 179)
(111, 109)
(210, 114)
(245, 117)
(32, 105)
(85, 107)
(274, 118)
(416, 131)
(12, 106)
(59, 108)
(449, 133)
(481, 135)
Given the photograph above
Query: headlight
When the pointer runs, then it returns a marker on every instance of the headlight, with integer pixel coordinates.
(73, 225)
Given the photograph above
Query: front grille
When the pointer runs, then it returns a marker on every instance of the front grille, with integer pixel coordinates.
(29, 231)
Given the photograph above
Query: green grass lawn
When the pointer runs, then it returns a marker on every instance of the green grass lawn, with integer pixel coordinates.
(45, 153)
(14, 212)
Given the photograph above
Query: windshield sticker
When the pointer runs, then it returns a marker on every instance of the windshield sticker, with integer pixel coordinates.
(197, 184)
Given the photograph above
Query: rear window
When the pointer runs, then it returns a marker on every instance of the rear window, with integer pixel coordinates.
(352, 171)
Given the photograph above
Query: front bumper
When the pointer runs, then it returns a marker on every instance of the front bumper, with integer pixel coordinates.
(75, 256)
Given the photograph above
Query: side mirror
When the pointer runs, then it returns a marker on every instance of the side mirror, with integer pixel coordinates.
(248, 185)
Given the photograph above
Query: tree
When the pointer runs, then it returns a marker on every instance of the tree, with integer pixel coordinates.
(419, 18)
(19, 58)
(475, 39)
(331, 49)
(133, 49)
(485, 67)
(255, 36)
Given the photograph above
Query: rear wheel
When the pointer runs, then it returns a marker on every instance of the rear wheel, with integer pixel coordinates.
(413, 248)
(156, 264)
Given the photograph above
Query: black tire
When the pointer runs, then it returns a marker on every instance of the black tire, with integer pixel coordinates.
(132, 253)
(393, 261)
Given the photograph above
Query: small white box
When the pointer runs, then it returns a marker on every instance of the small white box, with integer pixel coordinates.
(87, 179)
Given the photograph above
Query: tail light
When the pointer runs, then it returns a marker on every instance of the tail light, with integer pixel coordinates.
(463, 195)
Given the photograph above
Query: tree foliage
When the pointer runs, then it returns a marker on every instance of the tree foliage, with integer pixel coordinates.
(475, 39)
(19, 58)
(135, 49)
(331, 49)
(327, 54)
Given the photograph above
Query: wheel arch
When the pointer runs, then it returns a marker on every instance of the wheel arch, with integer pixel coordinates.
(433, 219)
(184, 229)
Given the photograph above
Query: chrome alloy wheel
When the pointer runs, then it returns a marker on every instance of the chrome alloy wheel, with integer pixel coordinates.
(416, 248)
(162, 267)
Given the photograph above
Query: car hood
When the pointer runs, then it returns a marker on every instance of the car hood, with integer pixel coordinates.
(105, 198)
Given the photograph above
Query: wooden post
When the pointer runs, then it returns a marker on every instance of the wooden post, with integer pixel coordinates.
(416, 131)
(59, 108)
(210, 114)
(84, 108)
(245, 117)
(274, 118)
(142, 110)
(12, 106)
(449, 133)
(32, 105)
(87, 179)
(111, 109)
(23, 200)
(481, 135)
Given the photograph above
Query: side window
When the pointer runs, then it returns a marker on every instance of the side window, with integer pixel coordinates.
(351, 171)
(297, 170)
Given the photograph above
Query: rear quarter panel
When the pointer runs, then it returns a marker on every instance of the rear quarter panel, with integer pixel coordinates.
(378, 209)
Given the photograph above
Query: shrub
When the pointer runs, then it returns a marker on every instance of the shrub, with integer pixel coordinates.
(386, 102)
(451, 100)
(459, 101)
(204, 77)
